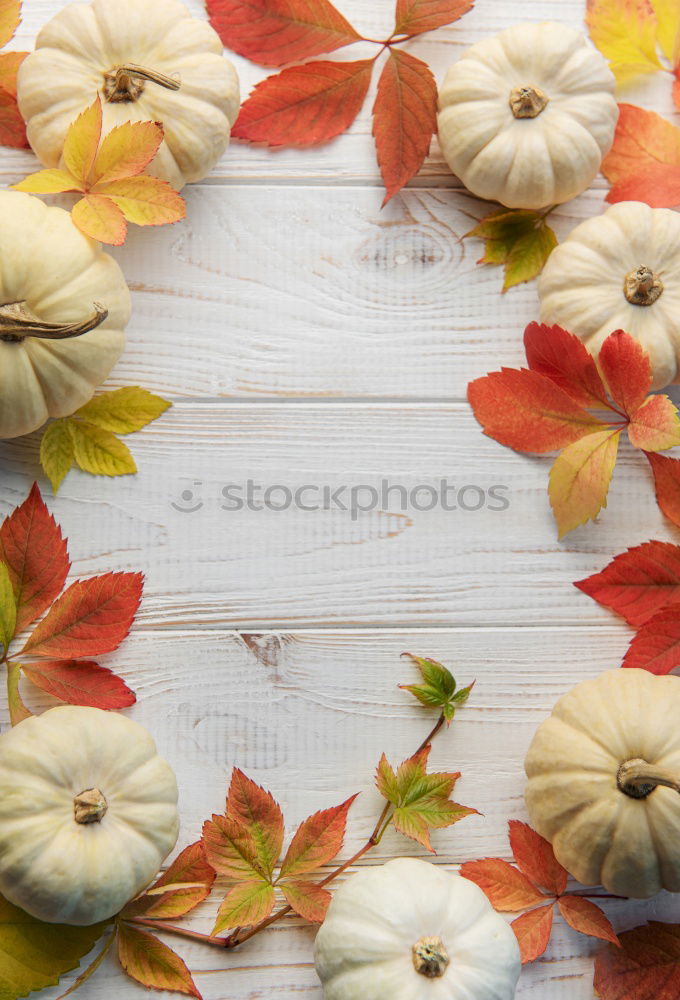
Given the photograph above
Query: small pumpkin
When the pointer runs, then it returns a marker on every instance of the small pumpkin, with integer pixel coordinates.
(64, 306)
(409, 929)
(619, 271)
(604, 778)
(526, 116)
(148, 60)
(88, 812)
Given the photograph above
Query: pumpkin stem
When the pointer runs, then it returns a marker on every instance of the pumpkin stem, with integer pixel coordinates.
(89, 806)
(527, 102)
(430, 957)
(638, 779)
(642, 286)
(123, 84)
(17, 322)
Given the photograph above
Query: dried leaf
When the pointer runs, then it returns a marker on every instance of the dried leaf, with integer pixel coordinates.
(580, 478)
(305, 105)
(8, 609)
(587, 918)
(507, 888)
(151, 963)
(639, 582)
(80, 682)
(533, 930)
(644, 162)
(656, 647)
(123, 411)
(667, 484)
(536, 859)
(404, 119)
(317, 841)
(625, 33)
(246, 904)
(56, 452)
(279, 32)
(645, 967)
(34, 551)
(416, 16)
(519, 239)
(91, 617)
(256, 810)
(309, 900)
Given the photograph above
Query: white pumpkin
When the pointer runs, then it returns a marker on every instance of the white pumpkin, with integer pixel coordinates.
(604, 778)
(88, 812)
(64, 306)
(134, 54)
(409, 930)
(526, 116)
(620, 271)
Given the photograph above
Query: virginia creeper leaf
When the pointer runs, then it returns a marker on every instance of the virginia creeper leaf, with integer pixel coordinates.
(580, 477)
(305, 105)
(232, 851)
(91, 617)
(80, 682)
(627, 371)
(564, 359)
(587, 918)
(123, 411)
(151, 963)
(100, 219)
(639, 582)
(82, 142)
(404, 119)
(536, 858)
(519, 239)
(416, 16)
(438, 689)
(647, 965)
(50, 181)
(12, 126)
(17, 710)
(9, 68)
(507, 888)
(532, 931)
(34, 551)
(655, 425)
(667, 484)
(246, 904)
(10, 16)
(644, 162)
(656, 647)
(252, 806)
(185, 884)
(126, 151)
(317, 841)
(100, 452)
(275, 32)
(145, 201)
(625, 33)
(309, 900)
(8, 609)
(56, 452)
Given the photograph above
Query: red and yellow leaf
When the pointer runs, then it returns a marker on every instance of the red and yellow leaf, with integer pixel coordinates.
(644, 162)
(17, 710)
(145, 201)
(532, 931)
(536, 858)
(639, 582)
(655, 425)
(527, 411)
(587, 918)
(92, 617)
(666, 484)
(231, 850)
(416, 16)
(404, 119)
(82, 142)
(9, 67)
(317, 841)
(126, 151)
(309, 900)
(150, 962)
(645, 967)
(627, 371)
(10, 17)
(34, 551)
(100, 219)
(260, 814)
(580, 478)
(12, 125)
(656, 647)
(276, 32)
(625, 33)
(80, 682)
(305, 105)
(507, 888)
(246, 904)
(187, 882)
(563, 358)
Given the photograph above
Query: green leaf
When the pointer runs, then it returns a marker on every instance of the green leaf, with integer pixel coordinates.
(520, 239)
(17, 710)
(8, 609)
(438, 689)
(99, 452)
(151, 963)
(56, 452)
(421, 800)
(246, 904)
(123, 410)
(34, 955)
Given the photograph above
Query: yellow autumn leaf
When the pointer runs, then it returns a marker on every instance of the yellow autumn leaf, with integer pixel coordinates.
(625, 33)
(51, 181)
(580, 477)
(100, 219)
(146, 201)
(100, 452)
(8, 609)
(668, 28)
(82, 142)
(10, 16)
(17, 710)
(56, 452)
(126, 151)
(123, 411)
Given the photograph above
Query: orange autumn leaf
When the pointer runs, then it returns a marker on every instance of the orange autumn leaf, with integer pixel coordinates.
(587, 918)
(110, 176)
(10, 16)
(416, 16)
(644, 162)
(533, 930)
(12, 127)
(9, 67)
(535, 858)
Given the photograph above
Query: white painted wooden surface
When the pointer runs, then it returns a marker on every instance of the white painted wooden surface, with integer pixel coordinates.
(307, 337)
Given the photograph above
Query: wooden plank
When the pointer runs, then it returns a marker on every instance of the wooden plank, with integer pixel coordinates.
(387, 566)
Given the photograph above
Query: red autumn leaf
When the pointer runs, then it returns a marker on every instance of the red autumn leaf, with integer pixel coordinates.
(645, 967)
(90, 618)
(317, 840)
(185, 884)
(656, 647)
(34, 551)
(587, 918)
(257, 811)
(416, 16)
(305, 105)
(536, 858)
(231, 850)
(404, 119)
(626, 369)
(655, 425)
(639, 582)
(12, 126)
(151, 963)
(507, 888)
(527, 411)
(644, 162)
(275, 32)
(309, 900)
(667, 484)
(80, 682)
(565, 360)
(532, 931)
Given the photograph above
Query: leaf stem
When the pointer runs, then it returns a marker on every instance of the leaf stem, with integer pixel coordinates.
(161, 925)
